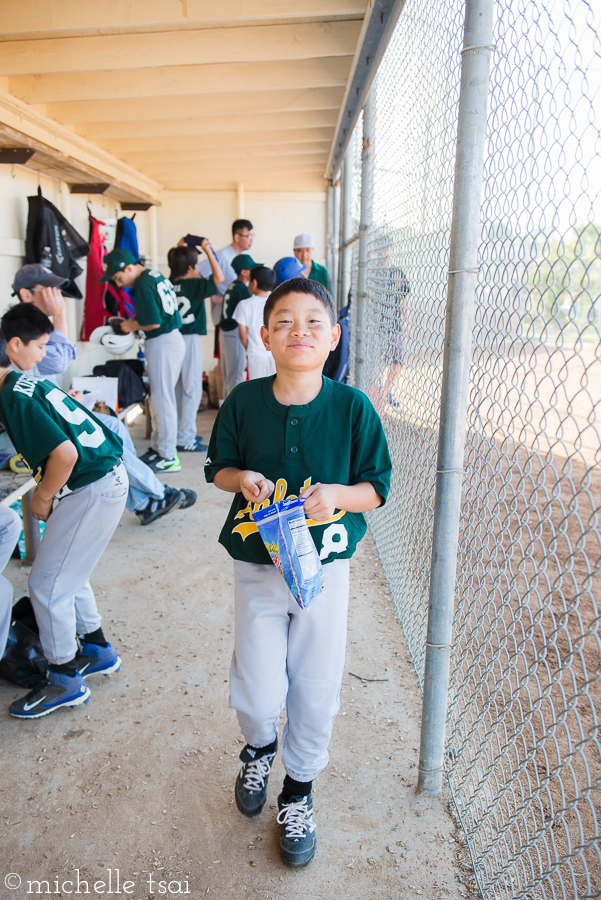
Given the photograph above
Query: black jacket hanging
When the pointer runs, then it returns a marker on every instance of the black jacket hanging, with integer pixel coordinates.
(48, 228)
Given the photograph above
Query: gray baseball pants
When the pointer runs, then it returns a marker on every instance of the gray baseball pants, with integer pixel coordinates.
(75, 537)
(10, 529)
(164, 359)
(188, 390)
(233, 360)
(284, 655)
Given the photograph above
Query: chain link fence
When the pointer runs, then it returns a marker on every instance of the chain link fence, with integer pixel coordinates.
(523, 763)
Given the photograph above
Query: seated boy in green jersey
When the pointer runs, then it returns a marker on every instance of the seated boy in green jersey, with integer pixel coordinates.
(77, 461)
(191, 289)
(157, 316)
(291, 434)
(231, 351)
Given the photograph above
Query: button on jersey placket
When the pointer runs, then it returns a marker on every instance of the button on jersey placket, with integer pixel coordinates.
(293, 436)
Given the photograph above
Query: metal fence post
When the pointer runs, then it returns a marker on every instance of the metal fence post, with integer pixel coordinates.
(330, 229)
(366, 203)
(469, 161)
(344, 253)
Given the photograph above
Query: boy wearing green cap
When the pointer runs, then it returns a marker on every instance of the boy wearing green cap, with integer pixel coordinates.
(158, 317)
(233, 357)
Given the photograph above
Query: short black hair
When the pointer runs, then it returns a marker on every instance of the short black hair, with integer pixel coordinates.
(300, 286)
(179, 260)
(264, 276)
(25, 321)
(241, 223)
(4, 360)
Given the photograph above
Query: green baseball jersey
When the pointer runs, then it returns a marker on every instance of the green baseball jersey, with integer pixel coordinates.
(38, 416)
(320, 274)
(236, 292)
(156, 303)
(336, 439)
(191, 294)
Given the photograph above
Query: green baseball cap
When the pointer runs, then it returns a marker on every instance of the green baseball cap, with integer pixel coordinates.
(243, 261)
(116, 261)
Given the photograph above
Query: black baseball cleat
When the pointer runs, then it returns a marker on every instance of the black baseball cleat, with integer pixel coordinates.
(149, 456)
(251, 783)
(154, 509)
(298, 839)
(189, 497)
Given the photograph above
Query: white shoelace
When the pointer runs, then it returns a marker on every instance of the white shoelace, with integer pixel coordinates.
(297, 818)
(257, 771)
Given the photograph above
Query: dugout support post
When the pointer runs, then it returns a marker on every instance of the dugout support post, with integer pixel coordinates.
(461, 290)
(364, 226)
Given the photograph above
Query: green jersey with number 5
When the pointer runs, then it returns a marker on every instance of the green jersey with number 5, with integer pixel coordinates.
(191, 294)
(38, 416)
(156, 303)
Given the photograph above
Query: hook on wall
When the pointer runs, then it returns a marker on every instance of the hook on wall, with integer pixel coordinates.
(89, 207)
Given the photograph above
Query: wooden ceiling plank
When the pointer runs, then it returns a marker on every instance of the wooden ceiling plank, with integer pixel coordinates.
(55, 17)
(167, 142)
(166, 81)
(98, 132)
(135, 51)
(204, 154)
(197, 105)
(301, 183)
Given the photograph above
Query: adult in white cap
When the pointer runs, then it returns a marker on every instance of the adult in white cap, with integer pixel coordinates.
(304, 245)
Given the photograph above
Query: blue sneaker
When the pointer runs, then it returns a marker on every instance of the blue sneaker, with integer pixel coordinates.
(92, 659)
(57, 690)
(298, 839)
(195, 446)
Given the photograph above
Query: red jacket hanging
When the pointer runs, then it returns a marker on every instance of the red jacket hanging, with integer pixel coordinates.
(93, 305)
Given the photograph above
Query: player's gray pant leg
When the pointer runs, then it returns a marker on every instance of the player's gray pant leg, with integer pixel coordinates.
(286, 655)
(143, 483)
(188, 390)
(164, 358)
(10, 529)
(233, 360)
(75, 537)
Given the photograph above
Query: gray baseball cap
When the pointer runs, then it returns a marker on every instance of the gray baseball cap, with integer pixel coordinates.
(35, 273)
(304, 240)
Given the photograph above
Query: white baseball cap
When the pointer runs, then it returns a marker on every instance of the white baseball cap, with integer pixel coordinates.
(304, 240)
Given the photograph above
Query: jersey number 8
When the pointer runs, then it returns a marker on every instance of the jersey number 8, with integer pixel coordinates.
(76, 417)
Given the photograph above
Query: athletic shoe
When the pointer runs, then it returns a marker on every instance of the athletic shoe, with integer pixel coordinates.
(160, 464)
(149, 456)
(251, 783)
(154, 509)
(57, 690)
(298, 839)
(195, 446)
(189, 498)
(92, 659)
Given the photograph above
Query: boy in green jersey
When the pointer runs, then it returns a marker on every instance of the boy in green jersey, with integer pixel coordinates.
(233, 357)
(191, 289)
(157, 316)
(293, 434)
(77, 461)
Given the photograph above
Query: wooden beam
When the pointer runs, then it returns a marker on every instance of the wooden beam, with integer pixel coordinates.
(68, 152)
(203, 155)
(199, 104)
(44, 18)
(301, 183)
(238, 169)
(166, 81)
(98, 187)
(15, 156)
(101, 131)
(166, 143)
(133, 51)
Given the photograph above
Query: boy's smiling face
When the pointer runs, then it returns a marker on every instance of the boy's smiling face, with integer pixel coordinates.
(26, 356)
(300, 333)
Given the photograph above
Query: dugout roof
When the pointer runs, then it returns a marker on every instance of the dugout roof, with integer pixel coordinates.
(152, 95)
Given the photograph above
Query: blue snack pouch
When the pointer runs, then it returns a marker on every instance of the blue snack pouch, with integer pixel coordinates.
(285, 533)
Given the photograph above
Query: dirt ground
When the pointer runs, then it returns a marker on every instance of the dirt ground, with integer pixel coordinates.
(132, 794)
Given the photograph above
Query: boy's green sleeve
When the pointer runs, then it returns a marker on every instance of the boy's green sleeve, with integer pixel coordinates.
(370, 458)
(223, 451)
